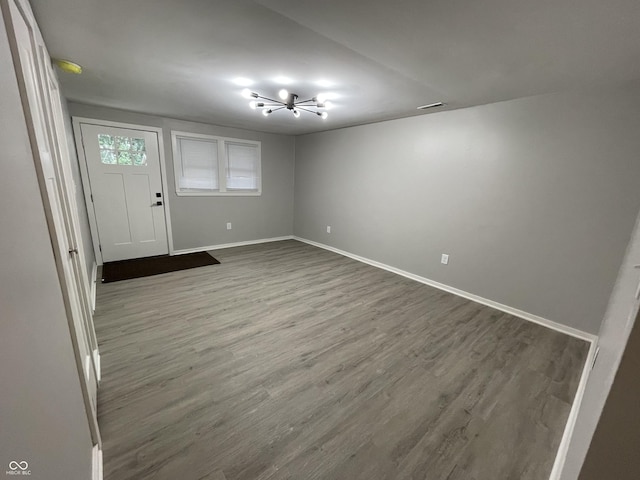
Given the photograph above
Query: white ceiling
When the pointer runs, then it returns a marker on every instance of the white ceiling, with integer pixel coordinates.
(382, 59)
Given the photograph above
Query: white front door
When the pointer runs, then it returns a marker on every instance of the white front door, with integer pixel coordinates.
(126, 184)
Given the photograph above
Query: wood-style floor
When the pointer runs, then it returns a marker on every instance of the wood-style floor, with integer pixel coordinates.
(290, 362)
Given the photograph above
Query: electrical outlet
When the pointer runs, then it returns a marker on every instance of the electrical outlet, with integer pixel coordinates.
(328, 228)
(228, 225)
(444, 259)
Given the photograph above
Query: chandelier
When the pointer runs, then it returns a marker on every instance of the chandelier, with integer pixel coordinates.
(288, 101)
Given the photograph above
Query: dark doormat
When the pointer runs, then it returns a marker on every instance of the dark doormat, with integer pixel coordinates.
(145, 267)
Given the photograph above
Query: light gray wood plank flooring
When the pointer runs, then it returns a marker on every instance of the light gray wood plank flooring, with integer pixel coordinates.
(290, 362)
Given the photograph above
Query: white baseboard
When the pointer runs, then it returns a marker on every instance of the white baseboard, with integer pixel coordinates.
(230, 245)
(561, 454)
(94, 279)
(574, 332)
(96, 464)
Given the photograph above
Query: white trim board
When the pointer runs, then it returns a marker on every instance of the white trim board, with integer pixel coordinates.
(563, 448)
(93, 286)
(96, 362)
(574, 332)
(231, 245)
(96, 464)
(561, 454)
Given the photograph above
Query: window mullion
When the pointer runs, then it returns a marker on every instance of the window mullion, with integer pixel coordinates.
(222, 165)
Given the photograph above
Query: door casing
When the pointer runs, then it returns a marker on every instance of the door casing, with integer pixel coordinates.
(40, 97)
(86, 184)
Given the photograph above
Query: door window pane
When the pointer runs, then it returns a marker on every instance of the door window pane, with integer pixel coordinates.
(106, 141)
(123, 143)
(139, 159)
(108, 157)
(124, 158)
(137, 144)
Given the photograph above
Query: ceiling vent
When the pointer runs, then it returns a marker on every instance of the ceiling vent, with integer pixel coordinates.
(431, 105)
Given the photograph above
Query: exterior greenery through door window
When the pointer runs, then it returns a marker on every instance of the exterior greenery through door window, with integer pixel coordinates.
(210, 165)
(117, 150)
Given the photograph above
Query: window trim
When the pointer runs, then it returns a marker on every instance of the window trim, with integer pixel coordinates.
(222, 165)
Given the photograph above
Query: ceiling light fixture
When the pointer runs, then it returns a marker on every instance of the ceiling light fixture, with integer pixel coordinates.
(68, 66)
(288, 101)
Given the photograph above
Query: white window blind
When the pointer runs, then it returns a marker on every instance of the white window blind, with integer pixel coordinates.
(199, 164)
(242, 166)
(210, 165)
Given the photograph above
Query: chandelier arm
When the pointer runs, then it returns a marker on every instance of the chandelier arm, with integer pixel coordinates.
(305, 101)
(272, 100)
(306, 109)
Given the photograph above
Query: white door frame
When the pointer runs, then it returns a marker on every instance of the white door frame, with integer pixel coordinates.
(615, 330)
(86, 183)
(62, 236)
(82, 277)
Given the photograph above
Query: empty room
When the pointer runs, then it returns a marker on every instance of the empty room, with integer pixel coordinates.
(285, 239)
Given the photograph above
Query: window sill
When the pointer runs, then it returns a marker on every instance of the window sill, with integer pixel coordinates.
(219, 194)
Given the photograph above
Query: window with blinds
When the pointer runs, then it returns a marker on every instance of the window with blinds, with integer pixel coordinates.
(242, 166)
(209, 165)
(198, 165)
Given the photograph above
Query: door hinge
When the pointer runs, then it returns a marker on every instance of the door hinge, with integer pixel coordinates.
(91, 194)
(100, 247)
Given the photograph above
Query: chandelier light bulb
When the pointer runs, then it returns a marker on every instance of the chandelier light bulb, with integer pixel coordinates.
(246, 93)
(324, 115)
(243, 81)
(283, 94)
(296, 113)
(266, 112)
(321, 98)
(253, 105)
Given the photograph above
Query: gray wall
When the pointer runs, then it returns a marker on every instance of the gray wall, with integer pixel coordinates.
(201, 221)
(533, 199)
(42, 416)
